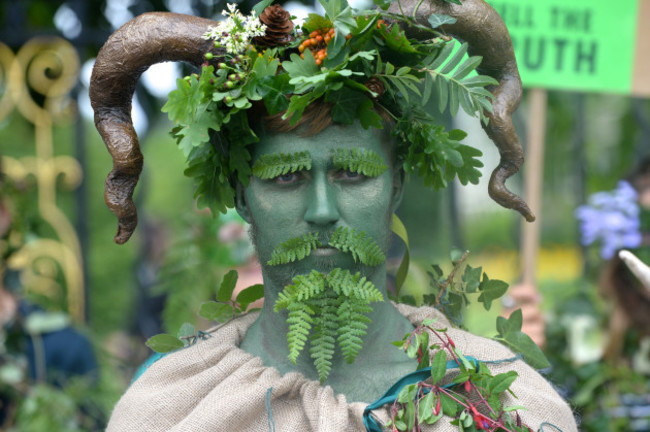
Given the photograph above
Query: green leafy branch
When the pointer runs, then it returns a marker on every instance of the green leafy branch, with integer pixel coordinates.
(327, 310)
(472, 399)
(222, 310)
(450, 295)
(449, 74)
(434, 154)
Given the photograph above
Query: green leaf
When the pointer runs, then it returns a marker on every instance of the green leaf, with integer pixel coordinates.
(443, 55)
(383, 4)
(163, 343)
(455, 59)
(454, 2)
(227, 286)
(438, 366)
(472, 278)
(467, 66)
(274, 91)
(345, 105)
(186, 330)
(448, 405)
(501, 382)
(297, 67)
(425, 407)
(436, 20)
(315, 22)
(368, 117)
(259, 7)
(522, 343)
(213, 311)
(491, 290)
(396, 40)
(333, 7)
(249, 295)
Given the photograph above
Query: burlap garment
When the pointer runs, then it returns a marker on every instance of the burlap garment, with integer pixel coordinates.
(215, 386)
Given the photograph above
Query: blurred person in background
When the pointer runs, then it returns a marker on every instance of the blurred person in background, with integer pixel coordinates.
(36, 346)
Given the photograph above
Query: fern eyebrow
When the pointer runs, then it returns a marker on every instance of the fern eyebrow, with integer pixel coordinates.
(272, 165)
(359, 160)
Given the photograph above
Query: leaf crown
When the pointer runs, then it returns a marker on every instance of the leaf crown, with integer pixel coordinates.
(355, 61)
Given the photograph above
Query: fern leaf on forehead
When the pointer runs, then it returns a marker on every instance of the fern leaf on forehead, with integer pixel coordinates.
(269, 166)
(294, 249)
(362, 161)
(361, 247)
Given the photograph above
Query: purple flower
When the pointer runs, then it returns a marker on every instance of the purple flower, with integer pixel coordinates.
(611, 218)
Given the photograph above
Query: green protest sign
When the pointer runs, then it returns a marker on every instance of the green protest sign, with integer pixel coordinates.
(584, 45)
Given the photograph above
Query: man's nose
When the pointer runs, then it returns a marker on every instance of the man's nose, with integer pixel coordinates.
(322, 206)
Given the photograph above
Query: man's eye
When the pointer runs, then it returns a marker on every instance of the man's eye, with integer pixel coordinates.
(287, 178)
(349, 175)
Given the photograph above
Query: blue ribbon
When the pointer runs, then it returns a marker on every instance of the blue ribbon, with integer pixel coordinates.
(391, 394)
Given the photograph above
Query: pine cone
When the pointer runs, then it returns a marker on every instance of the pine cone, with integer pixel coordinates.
(278, 27)
(374, 84)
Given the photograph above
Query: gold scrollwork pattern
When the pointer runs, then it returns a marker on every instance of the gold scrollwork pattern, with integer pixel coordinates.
(37, 82)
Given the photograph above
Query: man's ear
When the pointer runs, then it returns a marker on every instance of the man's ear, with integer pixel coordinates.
(398, 187)
(240, 203)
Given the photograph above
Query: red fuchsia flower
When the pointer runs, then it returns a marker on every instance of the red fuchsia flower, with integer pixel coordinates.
(481, 422)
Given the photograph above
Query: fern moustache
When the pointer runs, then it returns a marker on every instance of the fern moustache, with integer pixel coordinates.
(358, 244)
(361, 161)
(327, 309)
(294, 249)
(269, 166)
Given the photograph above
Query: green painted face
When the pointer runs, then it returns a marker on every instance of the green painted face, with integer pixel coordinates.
(319, 198)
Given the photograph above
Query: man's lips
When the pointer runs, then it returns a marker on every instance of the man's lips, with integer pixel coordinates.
(324, 251)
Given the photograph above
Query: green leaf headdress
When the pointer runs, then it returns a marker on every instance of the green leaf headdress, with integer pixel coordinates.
(392, 60)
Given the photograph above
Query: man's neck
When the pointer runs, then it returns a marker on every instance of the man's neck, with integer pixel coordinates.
(380, 361)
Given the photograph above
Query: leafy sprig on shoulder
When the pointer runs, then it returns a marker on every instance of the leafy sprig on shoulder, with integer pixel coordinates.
(451, 293)
(473, 397)
(222, 310)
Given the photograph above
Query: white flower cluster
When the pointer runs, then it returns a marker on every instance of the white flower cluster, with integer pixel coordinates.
(236, 31)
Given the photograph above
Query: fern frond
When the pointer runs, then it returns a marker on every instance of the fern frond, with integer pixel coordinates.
(294, 249)
(362, 161)
(300, 323)
(449, 75)
(353, 327)
(323, 338)
(354, 286)
(269, 166)
(361, 247)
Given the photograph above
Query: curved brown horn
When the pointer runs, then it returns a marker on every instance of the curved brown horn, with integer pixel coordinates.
(145, 40)
(482, 28)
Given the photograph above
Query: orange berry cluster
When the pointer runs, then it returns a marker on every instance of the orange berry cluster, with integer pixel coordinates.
(317, 42)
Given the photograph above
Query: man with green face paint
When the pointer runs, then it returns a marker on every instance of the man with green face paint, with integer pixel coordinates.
(318, 180)
(319, 200)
